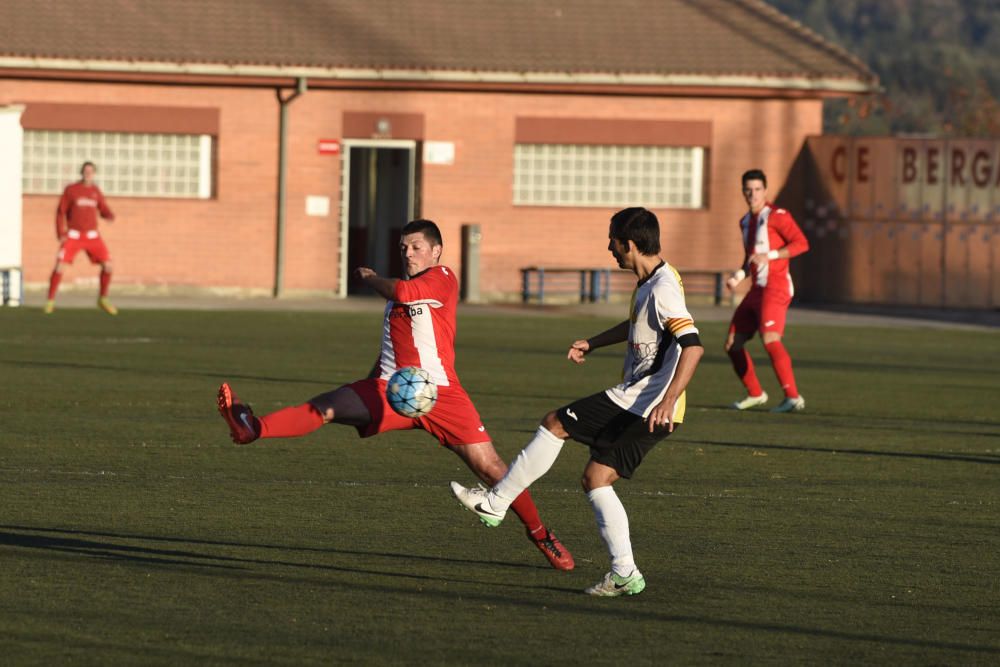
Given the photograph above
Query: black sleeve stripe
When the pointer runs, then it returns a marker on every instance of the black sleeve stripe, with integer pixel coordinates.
(689, 340)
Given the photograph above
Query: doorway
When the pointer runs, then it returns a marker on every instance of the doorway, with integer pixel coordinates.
(378, 186)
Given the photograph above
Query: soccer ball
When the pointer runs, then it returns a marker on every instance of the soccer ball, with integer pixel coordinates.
(411, 392)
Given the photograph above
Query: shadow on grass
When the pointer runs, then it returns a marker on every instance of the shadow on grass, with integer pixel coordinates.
(107, 550)
(598, 608)
(904, 369)
(954, 458)
(854, 420)
(162, 372)
(54, 539)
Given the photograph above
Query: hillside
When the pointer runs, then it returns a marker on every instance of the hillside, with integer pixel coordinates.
(938, 62)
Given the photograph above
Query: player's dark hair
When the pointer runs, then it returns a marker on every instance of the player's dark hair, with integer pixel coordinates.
(85, 165)
(639, 226)
(425, 227)
(753, 175)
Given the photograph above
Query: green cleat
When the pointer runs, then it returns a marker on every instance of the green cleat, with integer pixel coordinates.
(614, 585)
(477, 501)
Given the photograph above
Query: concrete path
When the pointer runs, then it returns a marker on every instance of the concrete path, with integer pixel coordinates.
(799, 313)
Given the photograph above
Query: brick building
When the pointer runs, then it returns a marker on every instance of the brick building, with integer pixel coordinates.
(533, 120)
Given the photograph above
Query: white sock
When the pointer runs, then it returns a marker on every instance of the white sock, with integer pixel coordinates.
(612, 522)
(534, 461)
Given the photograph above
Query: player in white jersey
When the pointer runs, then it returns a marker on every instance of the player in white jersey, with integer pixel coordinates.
(620, 425)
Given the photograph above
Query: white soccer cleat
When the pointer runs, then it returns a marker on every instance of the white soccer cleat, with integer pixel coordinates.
(796, 404)
(614, 585)
(750, 402)
(477, 501)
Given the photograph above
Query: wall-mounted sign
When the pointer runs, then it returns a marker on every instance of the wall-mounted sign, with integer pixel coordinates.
(317, 206)
(328, 146)
(439, 152)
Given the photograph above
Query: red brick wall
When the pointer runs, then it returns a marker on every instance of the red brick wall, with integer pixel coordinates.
(229, 241)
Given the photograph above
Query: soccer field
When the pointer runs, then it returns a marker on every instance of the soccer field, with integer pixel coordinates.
(864, 530)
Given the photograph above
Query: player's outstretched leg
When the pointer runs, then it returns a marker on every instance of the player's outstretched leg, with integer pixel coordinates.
(477, 501)
(550, 546)
(244, 428)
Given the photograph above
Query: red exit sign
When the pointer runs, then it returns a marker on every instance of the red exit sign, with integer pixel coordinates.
(328, 146)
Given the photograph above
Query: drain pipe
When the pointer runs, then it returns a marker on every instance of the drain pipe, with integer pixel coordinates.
(279, 246)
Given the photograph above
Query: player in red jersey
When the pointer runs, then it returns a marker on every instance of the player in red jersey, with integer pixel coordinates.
(418, 330)
(770, 239)
(76, 228)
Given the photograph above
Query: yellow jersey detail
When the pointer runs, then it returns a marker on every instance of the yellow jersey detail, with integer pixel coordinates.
(677, 275)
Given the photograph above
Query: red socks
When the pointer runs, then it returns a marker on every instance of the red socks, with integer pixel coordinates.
(105, 281)
(782, 367)
(524, 508)
(743, 365)
(56, 278)
(290, 422)
(54, 284)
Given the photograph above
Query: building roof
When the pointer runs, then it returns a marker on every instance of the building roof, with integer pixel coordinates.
(625, 41)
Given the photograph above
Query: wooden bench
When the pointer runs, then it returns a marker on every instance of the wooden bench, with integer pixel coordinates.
(591, 284)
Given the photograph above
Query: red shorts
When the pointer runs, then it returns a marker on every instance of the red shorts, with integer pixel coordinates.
(761, 310)
(453, 421)
(95, 249)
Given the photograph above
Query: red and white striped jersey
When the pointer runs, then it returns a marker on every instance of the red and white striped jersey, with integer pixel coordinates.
(78, 208)
(771, 229)
(419, 326)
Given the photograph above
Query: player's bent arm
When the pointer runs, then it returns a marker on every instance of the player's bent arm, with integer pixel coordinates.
(691, 353)
(580, 348)
(385, 287)
(616, 334)
(104, 209)
(61, 222)
(796, 242)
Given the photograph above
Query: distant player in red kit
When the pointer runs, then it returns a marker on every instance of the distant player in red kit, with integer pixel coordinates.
(770, 239)
(76, 227)
(418, 330)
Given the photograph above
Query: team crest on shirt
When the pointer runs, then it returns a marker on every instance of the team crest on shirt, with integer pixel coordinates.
(643, 358)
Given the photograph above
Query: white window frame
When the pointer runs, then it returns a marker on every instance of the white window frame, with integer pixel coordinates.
(129, 164)
(592, 175)
(345, 190)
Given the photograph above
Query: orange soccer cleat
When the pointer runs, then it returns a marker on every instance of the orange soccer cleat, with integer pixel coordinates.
(244, 428)
(549, 544)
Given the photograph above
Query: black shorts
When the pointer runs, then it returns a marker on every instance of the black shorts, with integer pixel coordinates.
(617, 438)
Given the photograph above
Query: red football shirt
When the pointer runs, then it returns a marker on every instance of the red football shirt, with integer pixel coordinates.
(419, 326)
(78, 209)
(771, 229)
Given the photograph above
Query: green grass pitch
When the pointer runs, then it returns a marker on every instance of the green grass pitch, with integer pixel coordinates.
(864, 530)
